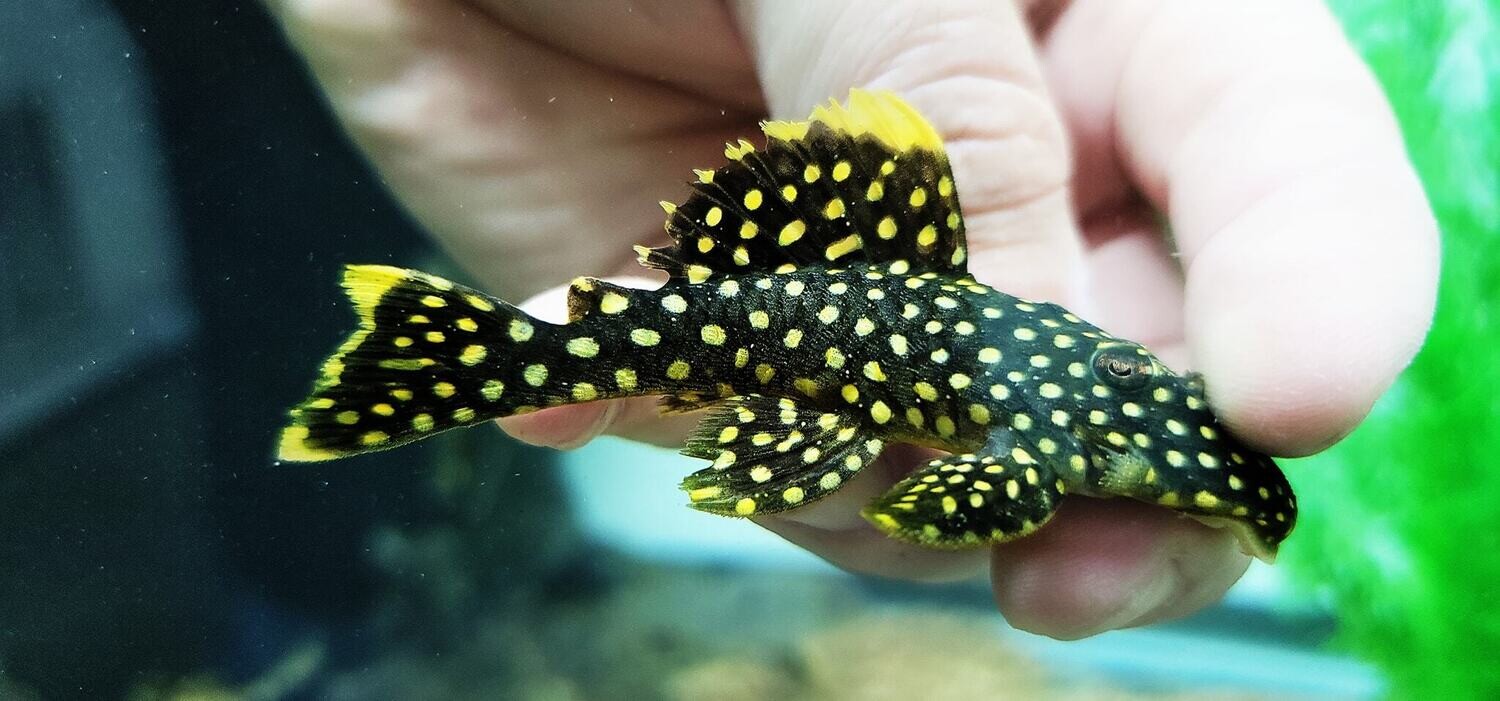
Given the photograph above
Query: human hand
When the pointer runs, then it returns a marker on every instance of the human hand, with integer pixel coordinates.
(533, 137)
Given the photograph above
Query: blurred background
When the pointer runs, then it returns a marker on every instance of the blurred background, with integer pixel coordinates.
(175, 203)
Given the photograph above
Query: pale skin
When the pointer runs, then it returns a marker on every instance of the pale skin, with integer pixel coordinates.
(533, 139)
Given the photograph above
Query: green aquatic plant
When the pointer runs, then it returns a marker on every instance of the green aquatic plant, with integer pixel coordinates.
(1401, 522)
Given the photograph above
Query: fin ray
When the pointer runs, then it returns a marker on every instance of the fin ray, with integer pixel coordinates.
(866, 182)
(970, 500)
(771, 455)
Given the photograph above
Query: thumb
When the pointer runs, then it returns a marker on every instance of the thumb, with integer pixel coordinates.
(972, 71)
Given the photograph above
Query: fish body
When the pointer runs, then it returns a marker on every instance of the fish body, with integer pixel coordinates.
(818, 307)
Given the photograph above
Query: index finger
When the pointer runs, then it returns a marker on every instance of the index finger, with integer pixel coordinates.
(1309, 248)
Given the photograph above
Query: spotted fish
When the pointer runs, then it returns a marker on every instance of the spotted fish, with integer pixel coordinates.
(818, 308)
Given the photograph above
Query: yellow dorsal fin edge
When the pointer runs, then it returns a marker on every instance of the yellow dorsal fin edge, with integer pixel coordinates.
(881, 114)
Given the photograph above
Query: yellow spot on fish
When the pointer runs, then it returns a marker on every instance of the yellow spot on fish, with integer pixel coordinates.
(764, 373)
(945, 427)
(1024, 334)
(959, 380)
(698, 273)
(760, 473)
(466, 324)
(834, 358)
(434, 301)
(713, 217)
(745, 507)
(850, 393)
(875, 191)
(645, 337)
(979, 414)
(841, 171)
(1205, 500)
(613, 303)
(584, 392)
(679, 369)
(914, 416)
(374, 438)
(625, 379)
(863, 326)
(584, 347)
(793, 338)
(479, 303)
(873, 371)
(880, 412)
(843, 246)
(520, 331)
(753, 200)
(927, 236)
(535, 374)
(713, 335)
(402, 341)
(492, 389)
(791, 232)
(472, 354)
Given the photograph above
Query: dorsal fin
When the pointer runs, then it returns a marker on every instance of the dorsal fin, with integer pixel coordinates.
(864, 183)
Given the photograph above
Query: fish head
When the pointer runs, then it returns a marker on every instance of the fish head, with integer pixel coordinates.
(1152, 436)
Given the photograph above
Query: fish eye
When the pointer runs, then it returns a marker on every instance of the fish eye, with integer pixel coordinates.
(1122, 368)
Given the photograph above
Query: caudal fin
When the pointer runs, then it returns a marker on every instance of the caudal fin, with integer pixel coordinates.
(429, 355)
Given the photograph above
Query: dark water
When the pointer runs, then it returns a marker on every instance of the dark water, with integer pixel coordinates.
(175, 201)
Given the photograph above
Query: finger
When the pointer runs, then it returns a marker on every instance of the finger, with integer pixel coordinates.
(1309, 248)
(1104, 565)
(971, 70)
(504, 145)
